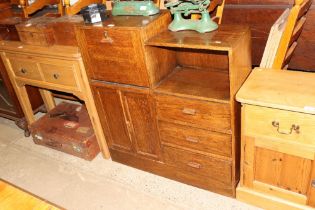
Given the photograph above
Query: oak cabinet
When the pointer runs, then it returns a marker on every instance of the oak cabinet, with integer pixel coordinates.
(128, 119)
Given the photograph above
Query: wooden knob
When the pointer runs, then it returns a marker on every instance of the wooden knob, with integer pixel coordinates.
(56, 76)
(23, 71)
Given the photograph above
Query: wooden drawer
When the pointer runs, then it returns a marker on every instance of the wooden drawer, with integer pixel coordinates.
(108, 37)
(193, 138)
(25, 68)
(116, 56)
(195, 113)
(34, 38)
(210, 167)
(59, 74)
(279, 124)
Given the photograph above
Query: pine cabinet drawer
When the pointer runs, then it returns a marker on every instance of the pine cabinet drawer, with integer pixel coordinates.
(195, 113)
(210, 167)
(25, 68)
(279, 124)
(59, 74)
(194, 138)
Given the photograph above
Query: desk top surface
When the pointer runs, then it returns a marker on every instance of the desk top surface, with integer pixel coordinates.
(280, 89)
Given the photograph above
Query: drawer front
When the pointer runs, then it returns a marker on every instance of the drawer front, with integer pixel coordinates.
(108, 37)
(116, 56)
(198, 139)
(279, 124)
(210, 167)
(199, 114)
(59, 74)
(34, 38)
(25, 68)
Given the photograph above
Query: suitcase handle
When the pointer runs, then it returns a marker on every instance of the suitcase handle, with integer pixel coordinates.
(53, 144)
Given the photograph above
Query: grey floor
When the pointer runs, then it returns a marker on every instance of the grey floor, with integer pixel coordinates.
(101, 184)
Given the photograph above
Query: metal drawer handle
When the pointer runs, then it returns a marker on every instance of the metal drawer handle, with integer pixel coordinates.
(106, 38)
(189, 111)
(23, 71)
(56, 76)
(194, 165)
(294, 127)
(192, 139)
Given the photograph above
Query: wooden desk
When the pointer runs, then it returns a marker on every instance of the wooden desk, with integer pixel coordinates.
(50, 68)
(12, 197)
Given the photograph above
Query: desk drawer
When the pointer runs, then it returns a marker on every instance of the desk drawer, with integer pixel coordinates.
(194, 138)
(279, 124)
(195, 113)
(59, 74)
(25, 68)
(209, 167)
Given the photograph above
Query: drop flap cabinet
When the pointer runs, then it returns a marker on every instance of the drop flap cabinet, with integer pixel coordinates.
(166, 100)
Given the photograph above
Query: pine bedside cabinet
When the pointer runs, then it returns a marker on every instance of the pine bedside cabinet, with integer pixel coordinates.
(278, 140)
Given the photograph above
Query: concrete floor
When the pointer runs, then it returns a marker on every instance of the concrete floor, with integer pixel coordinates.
(101, 184)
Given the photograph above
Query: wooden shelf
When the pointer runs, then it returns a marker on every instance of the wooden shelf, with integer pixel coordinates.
(210, 85)
(222, 39)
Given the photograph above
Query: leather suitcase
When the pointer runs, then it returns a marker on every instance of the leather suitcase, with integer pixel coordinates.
(67, 128)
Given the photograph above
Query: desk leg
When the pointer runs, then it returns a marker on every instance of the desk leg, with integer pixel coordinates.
(25, 103)
(48, 99)
(90, 106)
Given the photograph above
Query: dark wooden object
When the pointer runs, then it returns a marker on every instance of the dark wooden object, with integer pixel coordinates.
(9, 104)
(166, 100)
(260, 15)
(67, 128)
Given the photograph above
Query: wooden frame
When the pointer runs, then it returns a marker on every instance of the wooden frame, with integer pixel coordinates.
(289, 31)
(29, 9)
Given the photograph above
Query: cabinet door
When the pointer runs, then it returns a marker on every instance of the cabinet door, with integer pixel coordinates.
(111, 112)
(277, 154)
(141, 115)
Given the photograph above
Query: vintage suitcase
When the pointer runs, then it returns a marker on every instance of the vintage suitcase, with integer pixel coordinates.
(36, 31)
(67, 128)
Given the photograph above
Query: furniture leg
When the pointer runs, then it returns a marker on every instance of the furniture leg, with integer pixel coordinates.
(48, 99)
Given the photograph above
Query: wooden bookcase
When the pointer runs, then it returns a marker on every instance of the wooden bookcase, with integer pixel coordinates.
(198, 118)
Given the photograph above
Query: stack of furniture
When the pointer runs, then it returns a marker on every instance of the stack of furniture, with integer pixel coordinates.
(166, 100)
(278, 146)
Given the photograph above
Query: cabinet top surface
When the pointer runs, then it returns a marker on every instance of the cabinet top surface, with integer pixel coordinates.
(223, 39)
(126, 21)
(55, 50)
(281, 89)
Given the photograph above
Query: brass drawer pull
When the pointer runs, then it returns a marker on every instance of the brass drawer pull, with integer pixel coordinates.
(106, 38)
(294, 127)
(194, 165)
(23, 71)
(56, 76)
(192, 139)
(189, 111)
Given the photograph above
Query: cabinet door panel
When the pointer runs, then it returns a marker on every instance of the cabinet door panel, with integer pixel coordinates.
(140, 112)
(112, 117)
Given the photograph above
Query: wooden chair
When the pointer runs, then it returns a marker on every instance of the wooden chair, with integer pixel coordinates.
(283, 36)
(78, 5)
(29, 9)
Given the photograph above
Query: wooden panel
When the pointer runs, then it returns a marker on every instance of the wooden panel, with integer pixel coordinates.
(200, 114)
(198, 164)
(282, 170)
(311, 190)
(143, 123)
(197, 139)
(111, 112)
